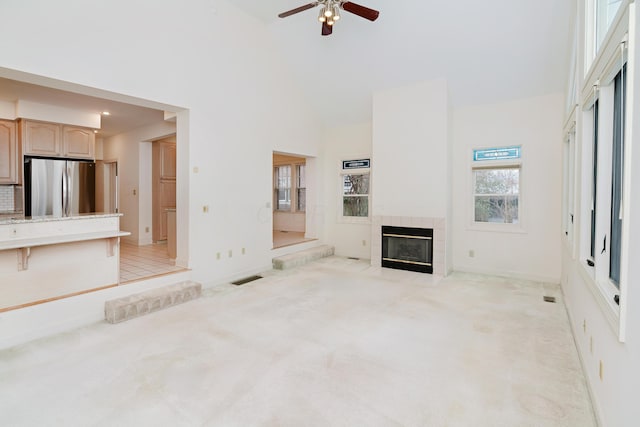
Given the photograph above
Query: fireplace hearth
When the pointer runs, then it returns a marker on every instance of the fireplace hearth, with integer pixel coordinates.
(407, 248)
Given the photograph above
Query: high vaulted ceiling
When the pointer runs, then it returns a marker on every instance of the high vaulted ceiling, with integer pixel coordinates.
(487, 50)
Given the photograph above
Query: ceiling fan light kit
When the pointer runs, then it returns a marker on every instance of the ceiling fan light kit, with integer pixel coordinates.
(330, 12)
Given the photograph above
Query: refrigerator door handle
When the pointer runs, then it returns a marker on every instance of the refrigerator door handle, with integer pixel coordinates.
(65, 191)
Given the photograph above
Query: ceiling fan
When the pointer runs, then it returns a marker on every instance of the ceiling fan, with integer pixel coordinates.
(330, 12)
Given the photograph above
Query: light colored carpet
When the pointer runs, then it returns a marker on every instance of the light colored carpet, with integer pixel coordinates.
(333, 343)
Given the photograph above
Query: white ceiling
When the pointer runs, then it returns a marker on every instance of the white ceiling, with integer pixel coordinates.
(123, 116)
(488, 51)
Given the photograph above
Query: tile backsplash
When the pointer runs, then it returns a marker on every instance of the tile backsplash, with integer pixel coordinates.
(6, 198)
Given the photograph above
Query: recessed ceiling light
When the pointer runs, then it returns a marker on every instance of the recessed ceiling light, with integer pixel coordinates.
(95, 131)
(106, 113)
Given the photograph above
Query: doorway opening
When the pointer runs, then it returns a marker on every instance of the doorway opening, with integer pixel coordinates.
(163, 188)
(289, 200)
(122, 146)
(107, 186)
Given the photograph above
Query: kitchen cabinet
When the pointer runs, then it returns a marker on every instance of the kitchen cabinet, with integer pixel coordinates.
(57, 140)
(9, 153)
(171, 233)
(167, 160)
(78, 142)
(163, 186)
(40, 138)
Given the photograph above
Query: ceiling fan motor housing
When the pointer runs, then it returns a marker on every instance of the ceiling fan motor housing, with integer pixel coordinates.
(329, 12)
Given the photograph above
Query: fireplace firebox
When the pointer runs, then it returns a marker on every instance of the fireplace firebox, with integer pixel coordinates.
(407, 248)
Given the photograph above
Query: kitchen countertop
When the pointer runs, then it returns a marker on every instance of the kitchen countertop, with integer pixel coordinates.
(20, 219)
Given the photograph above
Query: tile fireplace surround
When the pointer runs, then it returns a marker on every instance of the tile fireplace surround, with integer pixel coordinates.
(439, 237)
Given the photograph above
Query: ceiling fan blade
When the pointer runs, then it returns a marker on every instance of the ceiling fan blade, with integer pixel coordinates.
(361, 11)
(326, 29)
(298, 10)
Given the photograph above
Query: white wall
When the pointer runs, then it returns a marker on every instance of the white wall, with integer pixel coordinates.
(56, 114)
(289, 221)
(410, 136)
(344, 143)
(536, 125)
(145, 179)
(615, 395)
(205, 56)
(220, 71)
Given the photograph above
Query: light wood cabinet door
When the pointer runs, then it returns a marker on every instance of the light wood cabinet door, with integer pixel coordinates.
(78, 142)
(9, 173)
(167, 195)
(163, 186)
(42, 139)
(167, 160)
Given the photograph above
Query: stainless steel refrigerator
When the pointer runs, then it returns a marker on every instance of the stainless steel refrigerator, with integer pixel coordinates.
(58, 187)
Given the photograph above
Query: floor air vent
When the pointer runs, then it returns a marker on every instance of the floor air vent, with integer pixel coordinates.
(246, 280)
(549, 299)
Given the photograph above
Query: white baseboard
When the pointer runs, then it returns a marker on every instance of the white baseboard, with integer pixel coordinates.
(507, 273)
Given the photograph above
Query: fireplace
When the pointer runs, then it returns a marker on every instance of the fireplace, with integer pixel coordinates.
(407, 248)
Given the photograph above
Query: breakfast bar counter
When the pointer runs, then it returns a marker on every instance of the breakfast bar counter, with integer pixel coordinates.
(47, 258)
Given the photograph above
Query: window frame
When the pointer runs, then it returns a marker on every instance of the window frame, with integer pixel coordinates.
(617, 174)
(298, 187)
(598, 83)
(353, 219)
(293, 189)
(518, 227)
(276, 187)
(570, 166)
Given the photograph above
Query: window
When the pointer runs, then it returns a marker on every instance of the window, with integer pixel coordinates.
(289, 188)
(355, 195)
(617, 171)
(301, 200)
(496, 195)
(594, 182)
(569, 186)
(605, 12)
(282, 188)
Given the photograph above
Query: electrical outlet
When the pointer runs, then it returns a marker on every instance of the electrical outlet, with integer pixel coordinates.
(135, 192)
(243, 251)
(217, 255)
(364, 243)
(230, 253)
(601, 373)
(472, 253)
(205, 209)
(196, 169)
(146, 229)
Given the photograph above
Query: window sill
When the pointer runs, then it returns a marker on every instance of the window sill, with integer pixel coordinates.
(605, 301)
(497, 228)
(354, 220)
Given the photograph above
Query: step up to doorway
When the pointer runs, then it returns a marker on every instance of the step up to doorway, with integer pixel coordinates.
(125, 308)
(303, 257)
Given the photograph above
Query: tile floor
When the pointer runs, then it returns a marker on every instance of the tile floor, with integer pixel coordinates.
(333, 343)
(142, 262)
